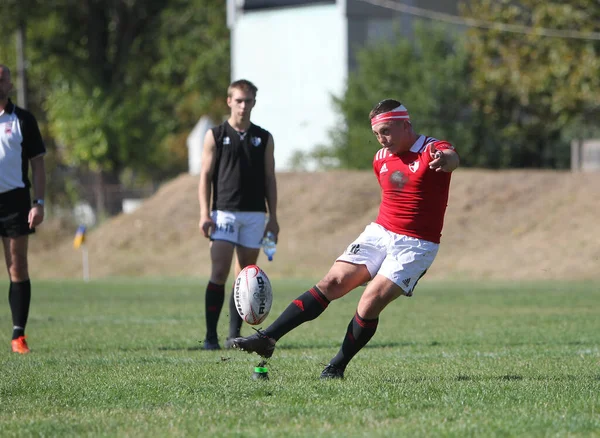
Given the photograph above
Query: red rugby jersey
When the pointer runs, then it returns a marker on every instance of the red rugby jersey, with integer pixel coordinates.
(414, 197)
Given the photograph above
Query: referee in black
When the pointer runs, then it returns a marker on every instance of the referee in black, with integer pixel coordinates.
(20, 144)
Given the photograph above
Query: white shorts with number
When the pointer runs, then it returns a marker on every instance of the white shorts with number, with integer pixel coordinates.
(402, 259)
(243, 228)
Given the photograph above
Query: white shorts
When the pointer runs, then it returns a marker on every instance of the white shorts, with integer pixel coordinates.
(243, 228)
(402, 259)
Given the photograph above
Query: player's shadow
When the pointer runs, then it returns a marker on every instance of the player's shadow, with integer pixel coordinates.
(506, 377)
(188, 348)
(392, 344)
(518, 377)
(470, 378)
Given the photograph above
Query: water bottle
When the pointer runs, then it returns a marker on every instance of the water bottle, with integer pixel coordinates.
(269, 245)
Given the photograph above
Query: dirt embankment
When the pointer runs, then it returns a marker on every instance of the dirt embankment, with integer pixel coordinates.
(500, 225)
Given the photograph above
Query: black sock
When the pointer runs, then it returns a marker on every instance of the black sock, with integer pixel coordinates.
(359, 332)
(215, 295)
(19, 298)
(306, 307)
(235, 320)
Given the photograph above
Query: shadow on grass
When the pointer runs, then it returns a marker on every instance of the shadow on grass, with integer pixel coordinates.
(518, 377)
(510, 377)
(507, 377)
(301, 346)
(491, 378)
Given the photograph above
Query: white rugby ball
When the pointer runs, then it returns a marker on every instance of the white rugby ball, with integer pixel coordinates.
(253, 295)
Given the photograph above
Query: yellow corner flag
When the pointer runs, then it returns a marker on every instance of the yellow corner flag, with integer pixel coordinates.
(79, 237)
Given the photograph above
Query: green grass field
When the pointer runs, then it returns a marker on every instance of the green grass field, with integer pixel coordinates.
(122, 358)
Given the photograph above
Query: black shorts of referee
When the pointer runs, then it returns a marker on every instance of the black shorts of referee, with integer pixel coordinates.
(14, 213)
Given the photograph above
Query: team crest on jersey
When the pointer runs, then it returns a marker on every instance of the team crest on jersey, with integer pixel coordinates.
(414, 166)
(226, 140)
(398, 179)
(256, 141)
(7, 128)
(383, 169)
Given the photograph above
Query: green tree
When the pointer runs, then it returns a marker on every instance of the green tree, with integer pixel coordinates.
(123, 81)
(534, 92)
(429, 75)
(194, 67)
(14, 13)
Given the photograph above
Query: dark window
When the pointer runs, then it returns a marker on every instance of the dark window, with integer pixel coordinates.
(250, 5)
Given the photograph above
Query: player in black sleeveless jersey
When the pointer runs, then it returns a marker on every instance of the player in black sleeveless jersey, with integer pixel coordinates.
(20, 144)
(238, 170)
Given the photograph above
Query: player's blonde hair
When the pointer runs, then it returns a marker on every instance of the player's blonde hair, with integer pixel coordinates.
(242, 84)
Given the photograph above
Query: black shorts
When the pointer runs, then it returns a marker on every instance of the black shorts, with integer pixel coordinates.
(14, 213)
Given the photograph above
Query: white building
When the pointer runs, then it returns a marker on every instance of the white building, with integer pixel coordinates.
(299, 54)
(195, 143)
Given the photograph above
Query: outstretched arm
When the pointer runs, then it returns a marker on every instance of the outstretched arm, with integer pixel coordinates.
(445, 160)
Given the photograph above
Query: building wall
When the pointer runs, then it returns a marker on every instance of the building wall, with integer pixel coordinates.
(297, 58)
(299, 54)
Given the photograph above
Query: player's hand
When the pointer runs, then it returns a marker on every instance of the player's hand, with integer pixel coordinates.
(273, 227)
(439, 162)
(207, 226)
(36, 216)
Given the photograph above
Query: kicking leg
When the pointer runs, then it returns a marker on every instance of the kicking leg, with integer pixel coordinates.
(341, 279)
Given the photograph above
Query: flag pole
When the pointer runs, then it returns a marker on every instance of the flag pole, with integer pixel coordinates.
(85, 263)
(79, 243)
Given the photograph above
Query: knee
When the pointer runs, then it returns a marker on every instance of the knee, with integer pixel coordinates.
(372, 302)
(17, 269)
(369, 309)
(219, 274)
(332, 286)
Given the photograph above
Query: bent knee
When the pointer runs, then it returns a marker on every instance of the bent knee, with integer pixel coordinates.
(333, 286)
(371, 307)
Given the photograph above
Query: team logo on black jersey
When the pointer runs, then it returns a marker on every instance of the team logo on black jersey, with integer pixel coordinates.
(226, 140)
(256, 141)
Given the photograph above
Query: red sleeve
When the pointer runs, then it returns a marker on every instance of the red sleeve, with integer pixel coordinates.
(439, 145)
(442, 145)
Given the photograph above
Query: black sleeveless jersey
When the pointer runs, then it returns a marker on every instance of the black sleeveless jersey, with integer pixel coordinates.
(239, 174)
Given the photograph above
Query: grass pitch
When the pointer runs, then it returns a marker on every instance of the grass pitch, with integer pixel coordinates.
(122, 358)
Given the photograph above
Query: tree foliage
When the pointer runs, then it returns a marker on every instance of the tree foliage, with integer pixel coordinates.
(534, 92)
(505, 99)
(194, 67)
(427, 75)
(120, 79)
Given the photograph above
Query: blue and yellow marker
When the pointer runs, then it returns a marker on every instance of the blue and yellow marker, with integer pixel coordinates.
(79, 237)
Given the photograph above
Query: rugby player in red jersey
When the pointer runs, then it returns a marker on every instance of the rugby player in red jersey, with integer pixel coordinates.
(393, 252)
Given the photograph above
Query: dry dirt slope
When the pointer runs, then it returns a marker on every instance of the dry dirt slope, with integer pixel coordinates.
(502, 225)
